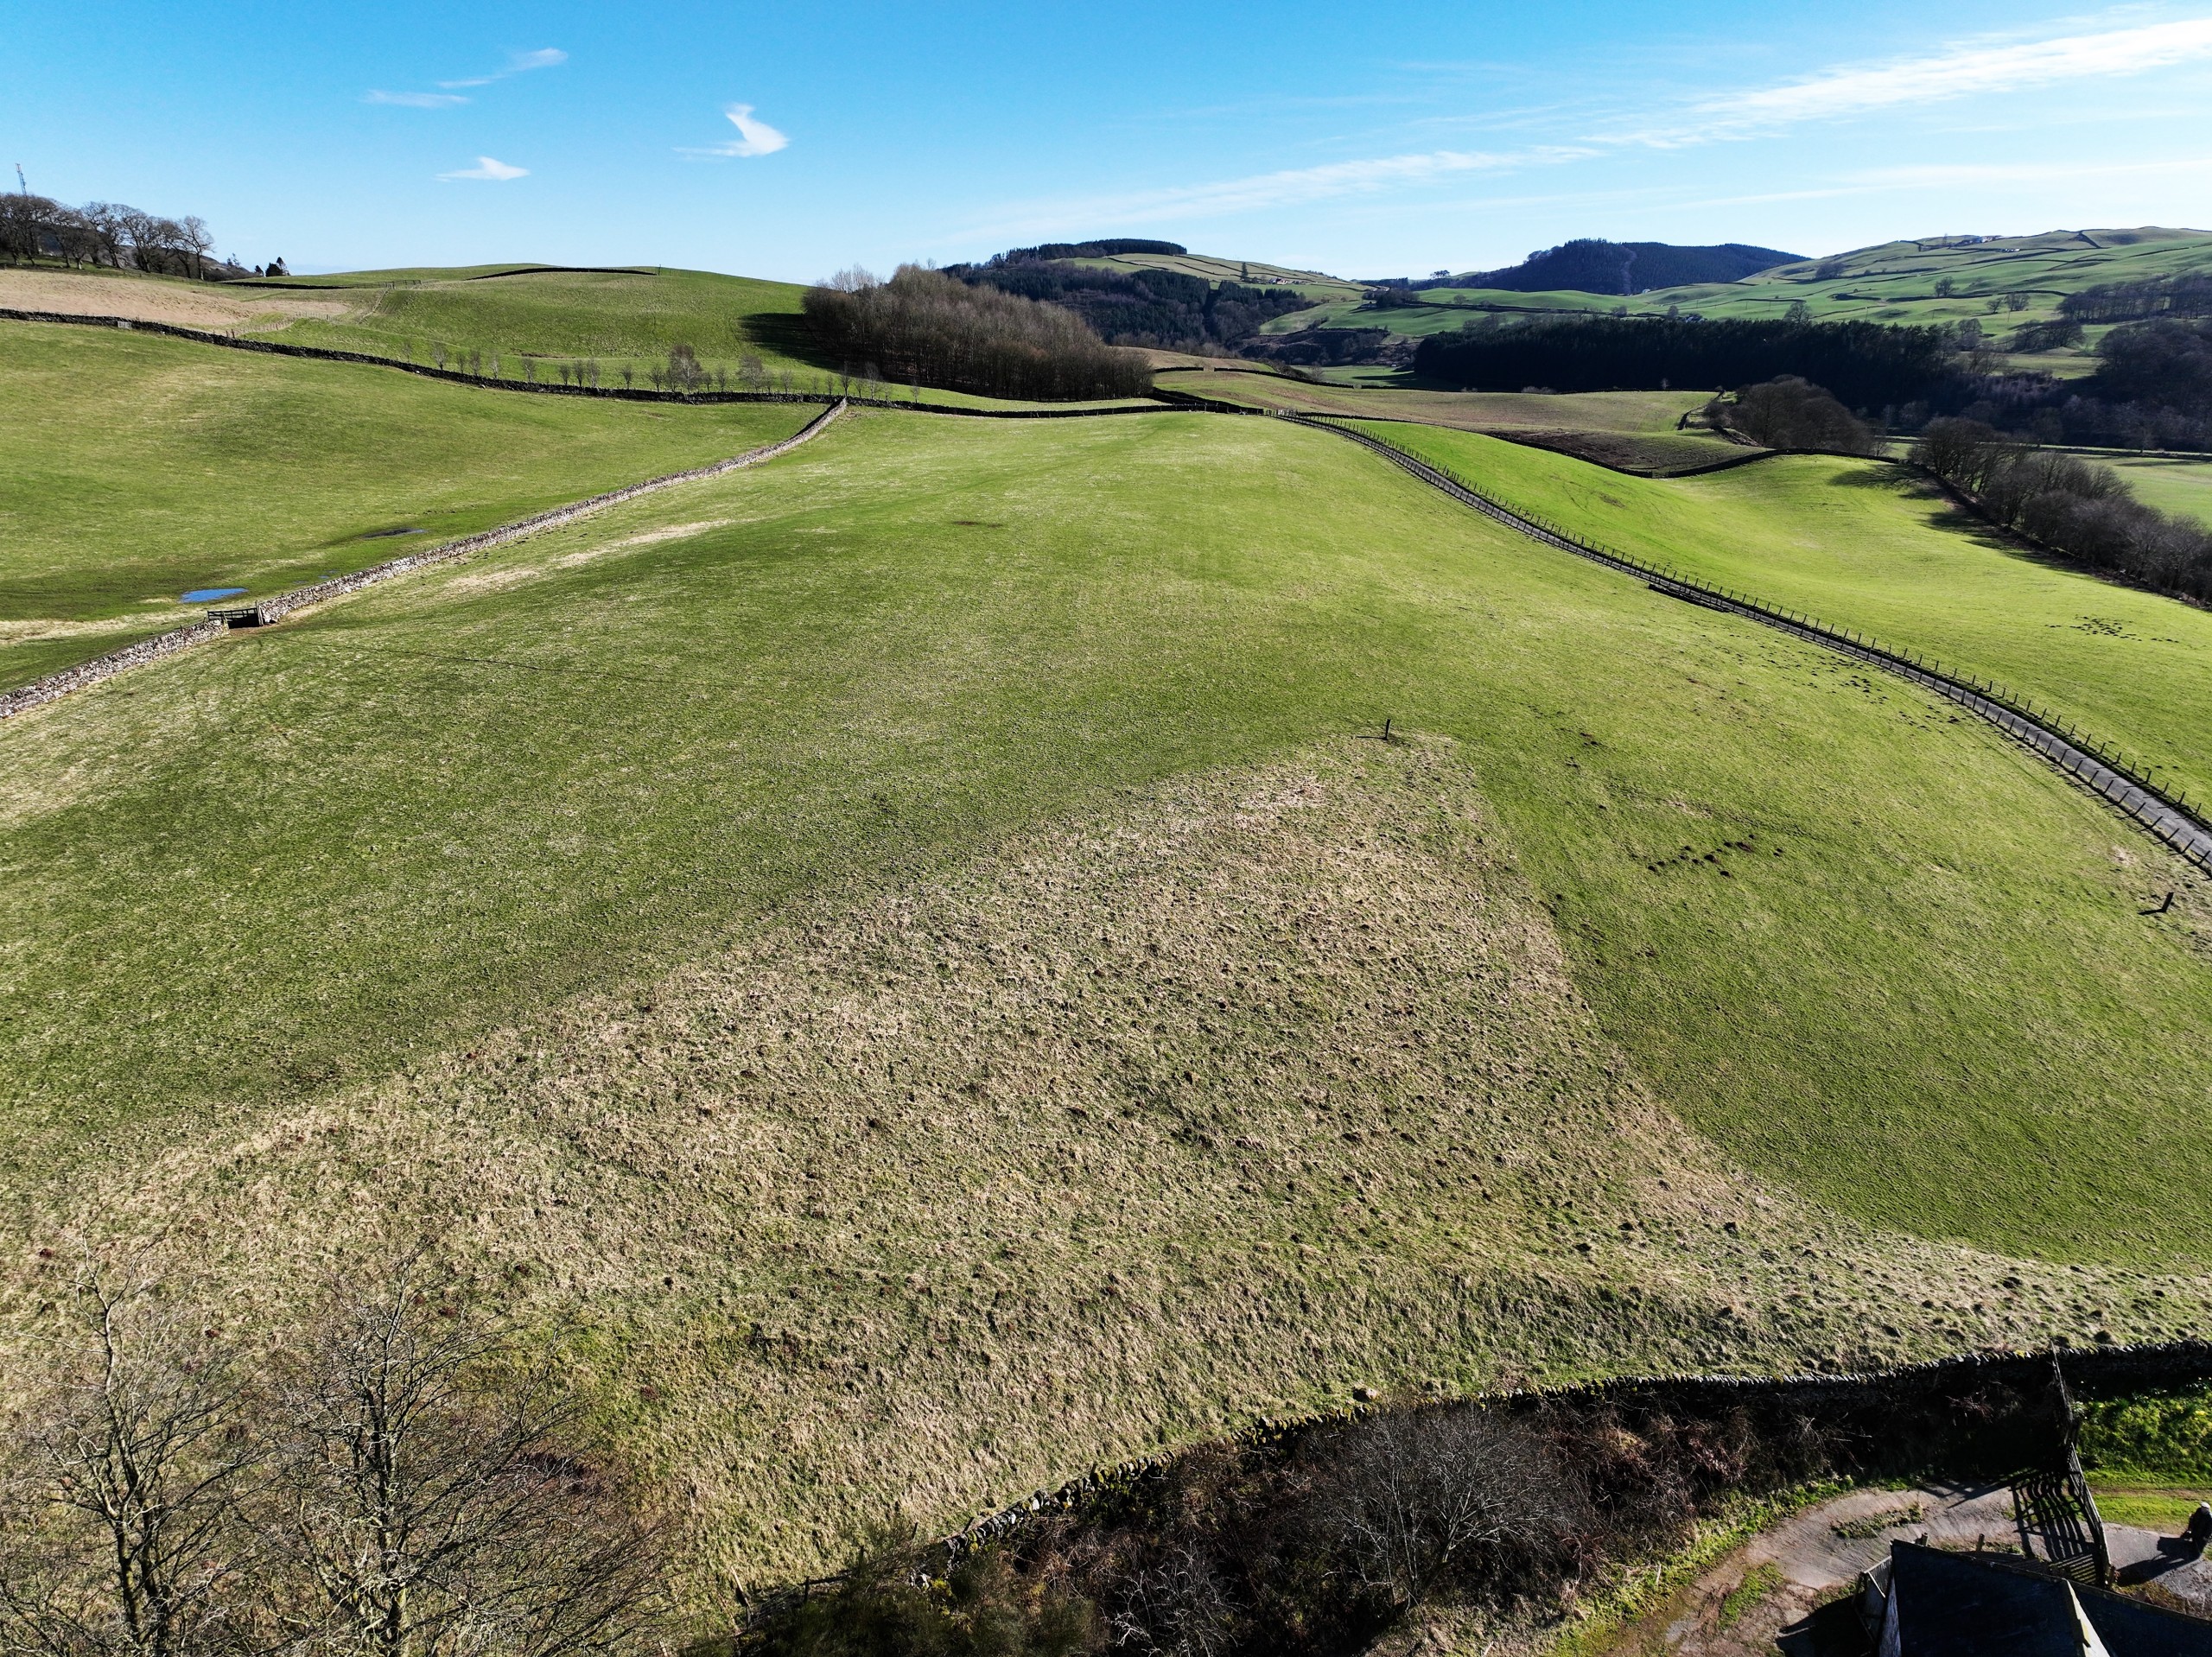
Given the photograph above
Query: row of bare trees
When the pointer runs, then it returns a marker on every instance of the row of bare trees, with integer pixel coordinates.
(405, 1482)
(34, 228)
(2070, 504)
(1312, 1556)
(924, 326)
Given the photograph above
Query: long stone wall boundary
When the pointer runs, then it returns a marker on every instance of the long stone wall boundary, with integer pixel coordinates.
(544, 388)
(219, 622)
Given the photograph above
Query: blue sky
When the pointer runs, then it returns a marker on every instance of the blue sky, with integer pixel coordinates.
(789, 140)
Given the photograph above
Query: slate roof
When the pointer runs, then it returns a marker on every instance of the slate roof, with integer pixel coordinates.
(1968, 1605)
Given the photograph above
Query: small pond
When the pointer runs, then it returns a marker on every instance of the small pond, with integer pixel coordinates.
(208, 594)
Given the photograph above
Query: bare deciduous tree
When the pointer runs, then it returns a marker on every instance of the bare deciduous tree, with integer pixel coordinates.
(425, 1495)
(1176, 1607)
(1414, 1498)
(123, 1529)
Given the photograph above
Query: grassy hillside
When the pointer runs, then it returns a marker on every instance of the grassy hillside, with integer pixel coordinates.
(527, 322)
(142, 469)
(1639, 430)
(146, 468)
(1865, 546)
(918, 948)
(1628, 413)
(2182, 487)
(568, 316)
(1894, 282)
(1314, 285)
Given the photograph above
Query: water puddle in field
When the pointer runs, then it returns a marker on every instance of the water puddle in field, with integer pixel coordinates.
(207, 594)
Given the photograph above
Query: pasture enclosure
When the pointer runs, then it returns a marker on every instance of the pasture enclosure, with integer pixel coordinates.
(1874, 547)
(924, 949)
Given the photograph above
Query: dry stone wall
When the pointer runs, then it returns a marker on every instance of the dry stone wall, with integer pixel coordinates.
(268, 610)
(541, 388)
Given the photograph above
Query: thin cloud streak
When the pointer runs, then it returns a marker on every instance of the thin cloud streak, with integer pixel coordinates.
(1286, 189)
(497, 172)
(521, 63)
(753, 137)
(1956, 72)
(1964, 72)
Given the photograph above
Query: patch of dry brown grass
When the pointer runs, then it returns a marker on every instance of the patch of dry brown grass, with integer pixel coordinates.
(162, 299)
(1265, 1085)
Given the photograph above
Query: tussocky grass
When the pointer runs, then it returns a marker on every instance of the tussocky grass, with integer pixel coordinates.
(1823, 919)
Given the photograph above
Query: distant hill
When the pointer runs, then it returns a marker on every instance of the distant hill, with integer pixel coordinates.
(1154, 294)
(1592, 266)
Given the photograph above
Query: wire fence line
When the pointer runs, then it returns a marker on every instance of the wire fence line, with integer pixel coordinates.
(2124, 781)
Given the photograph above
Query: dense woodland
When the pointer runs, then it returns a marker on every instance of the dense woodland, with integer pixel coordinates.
(2152, 389)
(1166, 310)
(925, 326)
(2128, 301)
(1865, 363)
(1590, 265)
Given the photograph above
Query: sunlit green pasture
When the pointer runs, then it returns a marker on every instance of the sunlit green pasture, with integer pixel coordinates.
(141, 468)
(1815, 912)
(1867, 546)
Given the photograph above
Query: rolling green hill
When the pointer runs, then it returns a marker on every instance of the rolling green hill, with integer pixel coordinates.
(1314, 285)
(566, 316)
(2179, 486)
(145, 467)
(920, 949)
(1878, 550)
(2001, 282)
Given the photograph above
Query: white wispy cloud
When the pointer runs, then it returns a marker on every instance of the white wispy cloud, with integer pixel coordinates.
(1960, 70)
(1286, 189)
(497, 171)
(753, 137)
(416, 100)
(1963, 71)
(521, 63)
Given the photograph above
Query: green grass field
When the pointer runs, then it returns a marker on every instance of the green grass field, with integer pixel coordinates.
(1628, 412)
(1636, 430)
(566, 315)
(918, 948)
(1867, 546)
(505, 323)
(1999, 282)
(143, 468)
(2182, 487)
(1313, 284)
